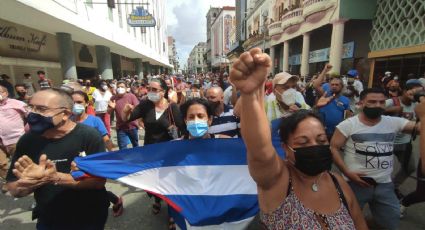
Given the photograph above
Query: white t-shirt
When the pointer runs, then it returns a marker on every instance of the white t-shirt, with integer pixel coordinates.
(228, 95)
(101, 101)
(369, 149)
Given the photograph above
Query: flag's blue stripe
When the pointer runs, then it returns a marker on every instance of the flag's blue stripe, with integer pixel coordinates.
(196, 152)
(220, 209)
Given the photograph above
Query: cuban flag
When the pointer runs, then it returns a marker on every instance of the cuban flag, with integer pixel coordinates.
(205, 181)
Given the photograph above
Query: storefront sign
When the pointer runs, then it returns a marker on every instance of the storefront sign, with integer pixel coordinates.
(22, 42)
(141, 18)
(322, 55)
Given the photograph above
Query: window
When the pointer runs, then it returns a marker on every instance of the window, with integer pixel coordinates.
(89, 3)
(163, 47)
(119, 13)
(110, 14)
(111, 3)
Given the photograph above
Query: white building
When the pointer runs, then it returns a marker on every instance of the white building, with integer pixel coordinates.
(172, 54)
(221, 37)
(196, 61)
(81, 38)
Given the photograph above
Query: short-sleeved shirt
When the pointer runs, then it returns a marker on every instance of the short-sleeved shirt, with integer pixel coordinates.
(121, 101)
(156, 129)
(58, 204)
(226, 124)
(274, 111)
(12, 113)
(101, 100)
(369, 149)
(96, 123)
(408, 113)
(333, 112)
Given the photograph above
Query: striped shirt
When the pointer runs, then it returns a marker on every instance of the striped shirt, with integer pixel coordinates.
(225, 124)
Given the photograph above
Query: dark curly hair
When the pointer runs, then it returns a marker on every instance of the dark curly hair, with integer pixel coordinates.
(195, 101)
(290, 124)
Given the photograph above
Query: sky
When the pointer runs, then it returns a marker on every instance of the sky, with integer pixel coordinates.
(186, 21)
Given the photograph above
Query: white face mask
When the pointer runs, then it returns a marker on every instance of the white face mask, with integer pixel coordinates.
(288, 97)
(105, 87)
(154, 97)
(1, 98)
(128, 90)
(120, 90)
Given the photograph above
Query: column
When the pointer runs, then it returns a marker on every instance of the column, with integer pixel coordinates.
(286, 56)
(272, 56)
(104, 63)
(66, 56)
(335, 55)
(138, 67)
(305, 54)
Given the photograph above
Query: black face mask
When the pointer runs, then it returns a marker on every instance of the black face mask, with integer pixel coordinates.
(214, 105)
(313, 160)
(373, 112)
(22, 94)
(39, 123)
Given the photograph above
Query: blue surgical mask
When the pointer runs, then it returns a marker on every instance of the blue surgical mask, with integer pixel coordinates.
(78, 109)
(197, 128)
(39, 123)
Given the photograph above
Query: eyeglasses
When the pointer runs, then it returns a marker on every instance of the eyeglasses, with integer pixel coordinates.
(40, 108)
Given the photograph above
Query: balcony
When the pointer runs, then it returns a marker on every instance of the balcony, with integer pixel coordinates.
(292, 18)
(275, 28)
(313, 7)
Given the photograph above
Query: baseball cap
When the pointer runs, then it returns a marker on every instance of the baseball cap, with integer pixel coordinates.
(282, 77)
(352, 73)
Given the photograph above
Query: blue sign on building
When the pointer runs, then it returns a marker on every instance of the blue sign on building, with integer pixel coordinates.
(141, 18)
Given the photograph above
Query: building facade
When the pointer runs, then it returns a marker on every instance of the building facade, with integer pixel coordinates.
(172, 54)
(221, 39)
(304, 35)
(72, 39)
(196, 61)
(398, 40)
(211, 15)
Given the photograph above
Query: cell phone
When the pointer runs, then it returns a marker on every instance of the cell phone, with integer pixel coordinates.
(369, 180)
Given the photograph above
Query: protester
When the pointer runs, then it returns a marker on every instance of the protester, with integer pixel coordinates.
(301, 185)
(42, 165)
(21, 92)
(101, 99)
(224, 120)
(162, 121)
(29, 84)
(12, 120)
(81, 101)
(172, 94)
(333, 106)
(285, 99)
(43, 81)
(368, 142)
(418, 195)
(403, 106)
(4, 81)
(127, 132)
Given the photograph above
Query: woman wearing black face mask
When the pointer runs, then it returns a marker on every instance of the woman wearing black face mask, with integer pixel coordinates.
(300, 186)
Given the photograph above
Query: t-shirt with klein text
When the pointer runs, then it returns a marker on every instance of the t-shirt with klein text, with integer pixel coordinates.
(369, 149)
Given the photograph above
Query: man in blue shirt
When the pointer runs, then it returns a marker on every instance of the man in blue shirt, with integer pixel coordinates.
(333, 106)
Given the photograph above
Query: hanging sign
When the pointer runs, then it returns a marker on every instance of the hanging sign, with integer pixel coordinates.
(141, 18)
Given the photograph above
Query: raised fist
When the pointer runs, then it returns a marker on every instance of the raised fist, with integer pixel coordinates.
(250, 71)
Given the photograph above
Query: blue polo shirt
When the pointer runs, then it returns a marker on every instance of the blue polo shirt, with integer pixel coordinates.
(333, 113)
(96, 123)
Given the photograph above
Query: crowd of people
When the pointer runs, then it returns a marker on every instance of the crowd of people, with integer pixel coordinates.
(324, 120)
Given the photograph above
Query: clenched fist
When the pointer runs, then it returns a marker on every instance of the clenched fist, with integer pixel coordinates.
(250, 71)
